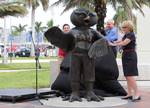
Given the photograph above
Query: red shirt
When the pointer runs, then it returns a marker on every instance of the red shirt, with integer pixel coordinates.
(61, 53)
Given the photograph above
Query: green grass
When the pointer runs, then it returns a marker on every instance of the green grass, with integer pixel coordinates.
(24, 79)
(18, 66)
(29, 58)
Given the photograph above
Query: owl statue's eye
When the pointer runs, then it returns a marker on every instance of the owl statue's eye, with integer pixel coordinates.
(82, 15)
(91, 14)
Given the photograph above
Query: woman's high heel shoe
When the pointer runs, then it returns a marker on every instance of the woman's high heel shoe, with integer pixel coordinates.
(127, 97)
(136, 99)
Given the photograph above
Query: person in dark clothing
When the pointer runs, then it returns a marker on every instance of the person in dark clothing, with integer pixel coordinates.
(129, 60)
(37, 54)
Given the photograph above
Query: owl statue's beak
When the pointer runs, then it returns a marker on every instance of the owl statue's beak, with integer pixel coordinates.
(87, 19)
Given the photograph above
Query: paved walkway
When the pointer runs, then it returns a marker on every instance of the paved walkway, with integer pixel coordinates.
(144, 103)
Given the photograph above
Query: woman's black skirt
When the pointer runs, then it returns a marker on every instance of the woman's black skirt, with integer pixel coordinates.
(129, 62)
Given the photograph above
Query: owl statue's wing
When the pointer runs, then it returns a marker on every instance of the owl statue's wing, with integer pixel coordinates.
(60, 39)
(99, 48)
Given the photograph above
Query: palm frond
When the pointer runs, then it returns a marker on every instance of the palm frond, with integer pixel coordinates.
(113, 3)
(68, 4)
(57, 3)
(12, 9)
(138, 5)
(45, 4)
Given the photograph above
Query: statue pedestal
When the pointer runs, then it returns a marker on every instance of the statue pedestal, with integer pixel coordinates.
(108, 102)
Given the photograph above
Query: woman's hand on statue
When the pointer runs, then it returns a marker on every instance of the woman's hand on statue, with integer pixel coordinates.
(112, 44)
(118, 41)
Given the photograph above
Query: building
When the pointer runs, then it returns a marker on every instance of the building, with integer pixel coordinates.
(143, 36)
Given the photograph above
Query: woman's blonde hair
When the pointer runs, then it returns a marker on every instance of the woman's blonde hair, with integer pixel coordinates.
(129, 24)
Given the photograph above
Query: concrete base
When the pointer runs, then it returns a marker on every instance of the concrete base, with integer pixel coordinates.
(108, 102)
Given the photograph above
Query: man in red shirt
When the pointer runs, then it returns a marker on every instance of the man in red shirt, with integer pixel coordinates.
(61, 53)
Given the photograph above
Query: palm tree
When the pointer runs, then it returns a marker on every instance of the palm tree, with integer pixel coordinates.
(100, 7)
(120, 15)
(19, 29)
(12, 9)
(50, 23)
(16, 31)
(33, 4)
(39, 29)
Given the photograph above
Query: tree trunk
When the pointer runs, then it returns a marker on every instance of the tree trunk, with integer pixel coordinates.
(33, 32)
(5, 53)
(130, 15)
(100, 9)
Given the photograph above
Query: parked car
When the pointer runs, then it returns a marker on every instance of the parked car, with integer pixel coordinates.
(23, 52)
